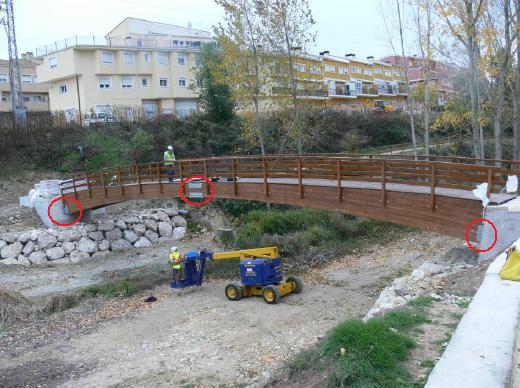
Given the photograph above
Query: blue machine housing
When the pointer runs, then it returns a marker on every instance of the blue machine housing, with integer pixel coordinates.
(261, 272)
(194, 263)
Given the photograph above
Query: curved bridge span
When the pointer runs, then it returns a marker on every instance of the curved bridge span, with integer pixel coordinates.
(433, 194)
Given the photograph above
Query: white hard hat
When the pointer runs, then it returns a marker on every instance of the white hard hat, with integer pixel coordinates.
(170, 147)
(174, 249)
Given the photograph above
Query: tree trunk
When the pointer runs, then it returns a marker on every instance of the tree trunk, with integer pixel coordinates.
(516, 89)
(257, 125)
(474, 100)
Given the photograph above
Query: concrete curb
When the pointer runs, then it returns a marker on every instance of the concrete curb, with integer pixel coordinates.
(482, 350)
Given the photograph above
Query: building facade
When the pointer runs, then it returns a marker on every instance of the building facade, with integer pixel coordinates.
(35, 94)
(438, 75)
(139, 67)
(348, 83)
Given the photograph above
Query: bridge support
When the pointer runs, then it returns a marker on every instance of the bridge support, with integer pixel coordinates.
(43, 194)
(506, 218)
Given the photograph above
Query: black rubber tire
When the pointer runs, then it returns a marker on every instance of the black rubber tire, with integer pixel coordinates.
(234, 291)
(298, 283)
(276, 294)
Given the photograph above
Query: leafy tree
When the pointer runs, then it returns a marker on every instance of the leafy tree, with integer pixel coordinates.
(215, 96)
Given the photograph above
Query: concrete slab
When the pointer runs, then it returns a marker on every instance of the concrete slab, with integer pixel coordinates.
(480, 354)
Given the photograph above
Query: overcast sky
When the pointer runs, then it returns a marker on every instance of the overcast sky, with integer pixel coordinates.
(343, 26)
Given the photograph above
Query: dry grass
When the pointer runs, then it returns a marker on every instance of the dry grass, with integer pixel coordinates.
(15, 308)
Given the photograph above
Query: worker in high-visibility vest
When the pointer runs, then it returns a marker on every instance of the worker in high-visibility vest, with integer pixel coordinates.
(169, 162)
(176, 262)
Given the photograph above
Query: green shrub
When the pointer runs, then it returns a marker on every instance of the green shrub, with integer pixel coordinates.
(315, 235)
(143, 146)
(249, 236)
(122, 289)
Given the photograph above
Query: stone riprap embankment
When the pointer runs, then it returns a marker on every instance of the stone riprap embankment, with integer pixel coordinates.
(94, 240)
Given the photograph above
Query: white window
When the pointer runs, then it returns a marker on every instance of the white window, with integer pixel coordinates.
(388, 73)
(181, 60)
(147, 57)
(356, 69)
(315, 70)
(38, 99)
(299, 67)
(53, 63)
(163, 82)
(397, 73)
(368, 72)
(162, 59)
(105, 83)
(26, 99)
(343, 70)
(4, 79)
(63, 88)
(183, 82)
(330, 68)
(378, 71)
(107, 57)
(129, 58)
(3, 97)
(27, 79)
(139, 43)
(359, 87)
(127, 82)
(145, 82)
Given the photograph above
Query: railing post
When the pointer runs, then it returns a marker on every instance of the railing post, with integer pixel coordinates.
(74, 186)
(88, 187)
(120, 181)
(180, 170)
(266, 184)
(300, 179)
(340, 194)
(206, 175)
(433, 178)
(102, 174)
(159, 177)
(234, 171)
(139, 179)
(490, 183)
(383, 184)
(150, 172)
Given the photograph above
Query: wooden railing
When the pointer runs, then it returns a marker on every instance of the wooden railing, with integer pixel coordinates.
(436, 172)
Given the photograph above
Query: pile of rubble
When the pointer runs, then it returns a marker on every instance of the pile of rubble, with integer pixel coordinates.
(94, 240)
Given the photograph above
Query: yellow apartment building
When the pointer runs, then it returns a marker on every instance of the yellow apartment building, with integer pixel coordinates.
(35, 94)
(348, 82)
(139, 64)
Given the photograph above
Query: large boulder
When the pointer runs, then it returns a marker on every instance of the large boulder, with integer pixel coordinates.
(38, 257)
(121, 224)
(139, 229)
(150, 225)
(46, 241)
(86, 245)
(120, 245)
(53, 232)
(179, 233)
(162, 216)
(143, 242)
(69, 235)
(114, 234)
(179, 221)
(90, 228)
(165, 229)
(35, 233)
(152, 236)
(105, 225)
(78, 257)
(171, 212)
(23, 260)
(2, 244)
(8, 237)
(28, 248)
(68, 246)
(9, 261)
(97, 235)
(24, 237)
(55, 253)
(130, 236)
(11, 251)
(104, 245)
(131, 219)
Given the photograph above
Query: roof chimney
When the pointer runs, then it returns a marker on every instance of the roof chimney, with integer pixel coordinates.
(351, 55)
(24, 56)
(324, 53)
(370, 59)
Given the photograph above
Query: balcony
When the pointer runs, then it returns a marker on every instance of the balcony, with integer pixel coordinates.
(94, 41)
(387, 90)
(368, 90)
(342, 93)
(402, 89)
(300, 92)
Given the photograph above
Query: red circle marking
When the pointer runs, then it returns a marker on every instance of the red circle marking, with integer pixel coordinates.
(208, 181)
(476, 221)
(65, 198)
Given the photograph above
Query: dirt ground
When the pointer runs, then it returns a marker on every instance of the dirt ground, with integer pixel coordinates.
(193, 336)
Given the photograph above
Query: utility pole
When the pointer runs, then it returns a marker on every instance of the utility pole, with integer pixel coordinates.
(18, 106)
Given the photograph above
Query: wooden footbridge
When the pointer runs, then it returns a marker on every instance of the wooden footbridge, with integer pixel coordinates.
(434, 193)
